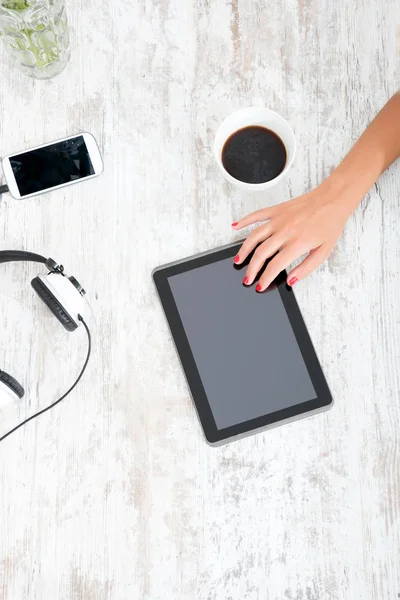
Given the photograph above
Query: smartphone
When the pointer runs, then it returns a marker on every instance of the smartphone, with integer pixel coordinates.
(51, 166)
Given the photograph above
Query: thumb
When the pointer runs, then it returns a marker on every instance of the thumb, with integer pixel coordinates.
(308, 265)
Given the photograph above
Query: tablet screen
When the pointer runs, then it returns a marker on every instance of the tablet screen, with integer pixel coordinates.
(242, 342)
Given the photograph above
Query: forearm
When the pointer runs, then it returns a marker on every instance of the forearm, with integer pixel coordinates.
(375, 151)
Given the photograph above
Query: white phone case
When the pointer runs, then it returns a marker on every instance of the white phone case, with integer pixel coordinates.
(93, 151)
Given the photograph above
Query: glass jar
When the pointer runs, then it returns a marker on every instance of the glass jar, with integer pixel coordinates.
(35, 33)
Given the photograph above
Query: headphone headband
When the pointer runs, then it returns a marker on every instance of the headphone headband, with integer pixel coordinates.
(20, 255)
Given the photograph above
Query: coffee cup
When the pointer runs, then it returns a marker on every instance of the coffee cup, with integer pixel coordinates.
(256, 121)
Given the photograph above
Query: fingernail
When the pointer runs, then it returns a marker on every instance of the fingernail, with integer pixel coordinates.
(235, 223)
(258, 287)
(293, 281)
(245, 280)
(236, 259)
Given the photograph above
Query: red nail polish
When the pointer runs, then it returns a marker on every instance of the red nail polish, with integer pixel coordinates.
(235, 223)
(258, 287)
(293, 281)
(245, 280)
(236, 259)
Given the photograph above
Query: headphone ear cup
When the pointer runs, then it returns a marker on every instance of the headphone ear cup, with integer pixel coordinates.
(12, 384)
(53, 304)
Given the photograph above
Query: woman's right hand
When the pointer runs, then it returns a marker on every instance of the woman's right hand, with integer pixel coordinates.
(310, 224)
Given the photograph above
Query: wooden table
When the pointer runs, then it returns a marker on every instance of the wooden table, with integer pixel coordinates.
(115, 495)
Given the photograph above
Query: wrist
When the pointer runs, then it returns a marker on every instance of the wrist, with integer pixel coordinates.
(345, 191)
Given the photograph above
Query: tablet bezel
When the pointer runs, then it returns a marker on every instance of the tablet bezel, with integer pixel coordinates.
(213, 435)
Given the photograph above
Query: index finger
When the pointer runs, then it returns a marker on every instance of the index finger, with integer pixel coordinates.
(255, 217)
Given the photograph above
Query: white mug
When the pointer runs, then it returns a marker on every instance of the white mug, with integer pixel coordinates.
(263, 117)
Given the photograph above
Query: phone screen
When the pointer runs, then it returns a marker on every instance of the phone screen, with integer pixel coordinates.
(52, 165)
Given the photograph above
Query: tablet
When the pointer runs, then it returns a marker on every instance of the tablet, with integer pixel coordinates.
(247, 356)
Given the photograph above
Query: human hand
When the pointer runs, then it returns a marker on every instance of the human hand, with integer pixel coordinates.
(310, 224)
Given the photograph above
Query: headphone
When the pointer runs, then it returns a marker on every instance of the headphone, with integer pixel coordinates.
(64, 297)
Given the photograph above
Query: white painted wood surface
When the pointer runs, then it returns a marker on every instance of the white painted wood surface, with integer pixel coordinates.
(115, 495)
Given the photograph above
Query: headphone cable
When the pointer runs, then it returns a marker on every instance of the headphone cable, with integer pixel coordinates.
(67, 393)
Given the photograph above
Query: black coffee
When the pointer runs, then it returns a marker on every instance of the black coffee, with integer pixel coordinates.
(254, 155)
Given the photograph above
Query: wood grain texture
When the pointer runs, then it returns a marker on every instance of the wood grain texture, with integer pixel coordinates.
(114, 495)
